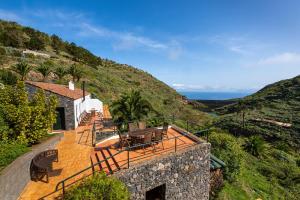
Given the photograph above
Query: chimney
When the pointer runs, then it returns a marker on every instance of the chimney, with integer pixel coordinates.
(71, 85)
(83, 90)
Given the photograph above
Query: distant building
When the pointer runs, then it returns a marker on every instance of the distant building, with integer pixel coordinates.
(73, 104)
(35, 53)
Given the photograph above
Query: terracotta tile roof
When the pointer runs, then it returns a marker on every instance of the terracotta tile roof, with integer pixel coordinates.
(62, 90)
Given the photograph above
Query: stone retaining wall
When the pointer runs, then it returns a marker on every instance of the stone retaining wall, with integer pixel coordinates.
(14, 177)
(186, 175)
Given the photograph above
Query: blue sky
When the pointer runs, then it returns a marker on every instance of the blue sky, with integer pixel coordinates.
(196, 45)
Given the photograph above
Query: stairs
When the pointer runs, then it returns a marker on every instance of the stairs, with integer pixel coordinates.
(86, 119)
(109, 164)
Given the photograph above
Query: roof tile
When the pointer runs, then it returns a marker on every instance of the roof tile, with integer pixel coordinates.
(62, 90)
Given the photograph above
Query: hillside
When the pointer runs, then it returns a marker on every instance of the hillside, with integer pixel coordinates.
(270, 126)
(105, 79)
(274, 112)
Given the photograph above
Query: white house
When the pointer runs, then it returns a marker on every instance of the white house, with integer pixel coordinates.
(74, 103)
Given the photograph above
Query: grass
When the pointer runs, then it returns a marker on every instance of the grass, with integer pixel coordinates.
(252, 183)
(10, 151)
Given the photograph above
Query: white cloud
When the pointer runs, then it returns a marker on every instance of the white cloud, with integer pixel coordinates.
(242, 45)
(129, 41)
(283, 58)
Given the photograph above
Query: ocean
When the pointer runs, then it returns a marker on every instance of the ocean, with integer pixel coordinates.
(213, 95)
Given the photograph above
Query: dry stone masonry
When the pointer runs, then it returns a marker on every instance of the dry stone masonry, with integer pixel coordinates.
(183, 175)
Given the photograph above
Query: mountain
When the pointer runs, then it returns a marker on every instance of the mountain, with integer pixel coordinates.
(273, 112)
(105, 78)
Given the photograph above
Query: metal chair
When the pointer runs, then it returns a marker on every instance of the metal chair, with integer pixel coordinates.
(165, 129)
(158, 137)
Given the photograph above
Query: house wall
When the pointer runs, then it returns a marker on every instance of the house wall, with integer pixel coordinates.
(80, 106)
(186, 175)
(63, 101)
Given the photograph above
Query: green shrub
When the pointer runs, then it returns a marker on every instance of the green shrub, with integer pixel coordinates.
(298, 162)
(28, 121)
(226, 147)
(99, 187)
(10, 151)
(7, 77)
(255, 145)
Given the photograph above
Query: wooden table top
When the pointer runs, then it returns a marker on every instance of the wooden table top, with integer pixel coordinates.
(142, 132)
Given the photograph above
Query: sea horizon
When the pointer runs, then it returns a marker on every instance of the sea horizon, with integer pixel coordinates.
(199, 95)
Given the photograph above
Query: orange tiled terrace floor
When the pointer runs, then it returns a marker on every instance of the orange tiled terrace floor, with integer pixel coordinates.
(111, 147)
(73, 155)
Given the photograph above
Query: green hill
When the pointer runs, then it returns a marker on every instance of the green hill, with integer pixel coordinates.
(274, 112)
(105, 78)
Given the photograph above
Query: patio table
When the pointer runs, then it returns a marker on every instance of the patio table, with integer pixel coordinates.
(142, 132)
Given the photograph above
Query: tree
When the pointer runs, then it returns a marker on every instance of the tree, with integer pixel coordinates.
(12, 36)
(27, 121)
(57, 43)
(60, 72)
(23, 69)
(42, 116)
(37, 40)
(99, 187)
(242, 108)
(226, 148)
(45, 69)
(76, 72)
(130, 107)
(255, 145)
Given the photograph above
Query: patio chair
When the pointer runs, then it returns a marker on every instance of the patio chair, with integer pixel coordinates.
(124, 140)
(165, 129)
(158, 137)
(147, 141)
(132, 126)
(142, 125)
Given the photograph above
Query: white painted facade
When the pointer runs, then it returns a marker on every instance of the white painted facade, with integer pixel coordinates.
(86, 105)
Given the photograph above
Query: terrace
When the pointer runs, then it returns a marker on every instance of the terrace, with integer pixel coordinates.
(95, 147)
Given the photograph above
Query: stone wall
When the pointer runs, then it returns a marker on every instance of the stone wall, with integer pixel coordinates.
(186, 175)
(63, 101)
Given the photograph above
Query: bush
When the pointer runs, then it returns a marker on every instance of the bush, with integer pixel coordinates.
(10, 151)
(255, 145)
(7, 77)
(28, 121)
(226, 148)
(99, 187)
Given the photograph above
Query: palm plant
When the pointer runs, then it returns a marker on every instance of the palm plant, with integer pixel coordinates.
(45, 70)
(60, 72)
(130, 107)
(23, 69)
(76, 72)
